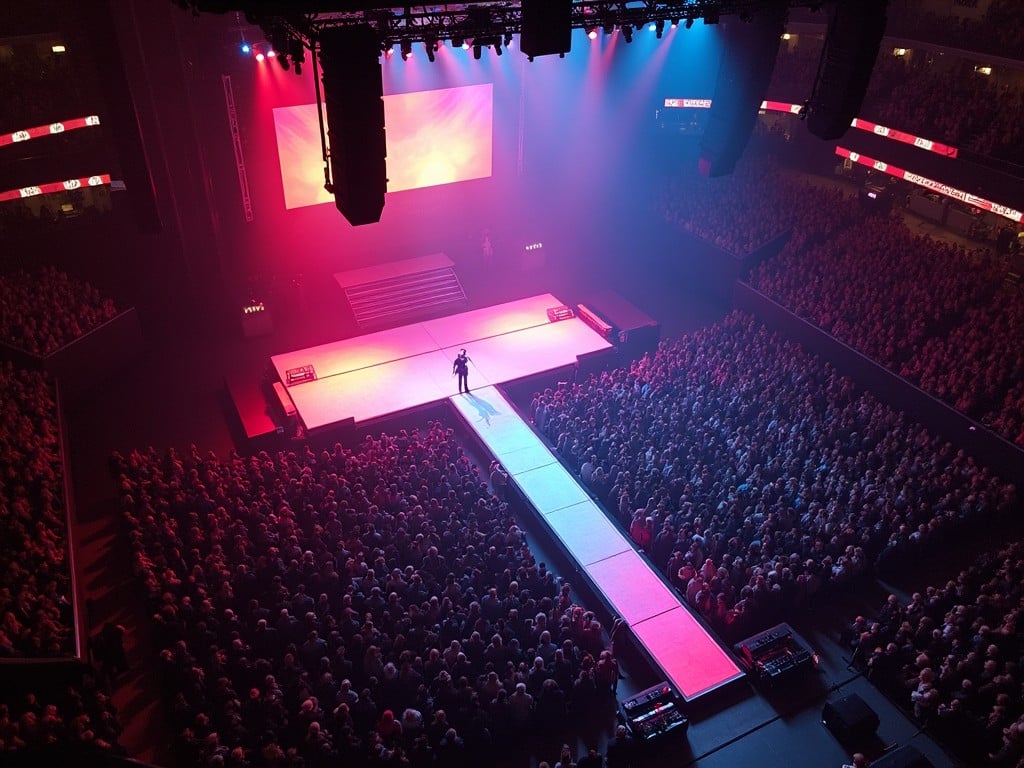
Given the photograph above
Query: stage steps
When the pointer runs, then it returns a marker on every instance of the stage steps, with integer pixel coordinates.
(402, 290)
(406, 296)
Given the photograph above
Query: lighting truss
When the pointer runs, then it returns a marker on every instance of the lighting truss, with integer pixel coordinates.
(305, 19)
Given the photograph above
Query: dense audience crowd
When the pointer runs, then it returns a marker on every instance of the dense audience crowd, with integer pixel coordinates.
(79, 718)
(374, 606)
(878, 287)
(945, 99)
(956, 105)
(999, 31)
(913, 304)
(756, 476)
(36, 617)
(953, 655)
(42, 311)
(735, 214)
(988, 343)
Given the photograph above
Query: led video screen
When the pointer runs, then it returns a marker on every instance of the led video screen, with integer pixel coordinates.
(433, 137)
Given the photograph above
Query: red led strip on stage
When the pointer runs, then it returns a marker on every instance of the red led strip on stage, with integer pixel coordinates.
(55, 186)
(49, 130)
(907, 138)
(930, 184)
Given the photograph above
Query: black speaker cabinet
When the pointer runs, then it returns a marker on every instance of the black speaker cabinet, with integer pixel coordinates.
(849, 718)
(906, 756)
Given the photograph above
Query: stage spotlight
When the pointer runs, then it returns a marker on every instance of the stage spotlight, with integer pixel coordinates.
(406, 46)
(689, 23)
(260, 57)
(675, 23)
(246, 48)
(659, 28)
(431, 47)
(592, 33)
(283, 61)
(497, 47)
(389, 52)
(476, 50)
(608, 27)
(271, 54)
(508, 39)
(652, 27)
(627, 32)
(457, 42)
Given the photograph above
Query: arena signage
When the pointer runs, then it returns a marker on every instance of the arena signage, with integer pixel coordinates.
(932, 185)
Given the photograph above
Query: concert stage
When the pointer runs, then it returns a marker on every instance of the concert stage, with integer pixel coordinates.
(691, 659)
(379, 374)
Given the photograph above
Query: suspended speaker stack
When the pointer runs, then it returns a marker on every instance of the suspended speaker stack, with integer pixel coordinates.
(748, 59)
(855, 29)
(547, 27)
(353, 96)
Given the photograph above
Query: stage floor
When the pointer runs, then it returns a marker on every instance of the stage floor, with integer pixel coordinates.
(690, 657)
(378, 374)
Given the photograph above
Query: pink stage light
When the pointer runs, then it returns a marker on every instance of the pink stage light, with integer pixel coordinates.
(260, 57)
(271, 54)
(592, 34)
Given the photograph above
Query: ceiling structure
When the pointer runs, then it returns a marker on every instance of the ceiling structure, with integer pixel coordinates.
(304, 20)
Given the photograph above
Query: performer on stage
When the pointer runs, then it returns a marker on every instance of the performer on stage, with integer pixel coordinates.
(461, 367)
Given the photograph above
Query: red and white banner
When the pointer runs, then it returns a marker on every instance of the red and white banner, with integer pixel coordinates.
(49, 130)
(688, 103)
(781, 106)
(858, 122)
(55, 186)
(907, 138)
(930, 184)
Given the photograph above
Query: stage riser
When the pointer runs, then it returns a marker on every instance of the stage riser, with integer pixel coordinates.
(405, 296)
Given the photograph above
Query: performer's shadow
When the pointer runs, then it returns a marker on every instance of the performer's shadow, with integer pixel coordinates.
(483, 407)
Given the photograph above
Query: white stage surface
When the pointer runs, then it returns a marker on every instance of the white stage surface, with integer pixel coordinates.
(379, 374)
(690, 657)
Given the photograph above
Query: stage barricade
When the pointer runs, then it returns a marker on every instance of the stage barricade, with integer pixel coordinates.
(90, 358)
(988, 448)
(704, 264)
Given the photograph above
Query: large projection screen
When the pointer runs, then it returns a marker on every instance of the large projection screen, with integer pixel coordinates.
(433, 137)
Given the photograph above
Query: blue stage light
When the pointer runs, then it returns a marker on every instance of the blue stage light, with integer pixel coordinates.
(246, 48)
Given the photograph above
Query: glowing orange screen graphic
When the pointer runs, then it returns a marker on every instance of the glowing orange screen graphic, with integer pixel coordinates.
(434, 137)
